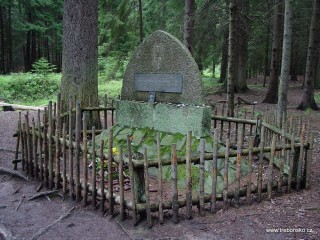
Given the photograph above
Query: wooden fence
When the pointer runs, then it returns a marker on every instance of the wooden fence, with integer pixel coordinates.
(54, 149)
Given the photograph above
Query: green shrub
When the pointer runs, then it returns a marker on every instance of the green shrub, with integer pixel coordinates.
(43, 67)
(29, 87)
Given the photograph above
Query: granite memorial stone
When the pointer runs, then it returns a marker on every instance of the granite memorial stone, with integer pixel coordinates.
(162, 89)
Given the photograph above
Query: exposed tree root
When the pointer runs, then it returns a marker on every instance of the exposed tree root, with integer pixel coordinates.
(45, 229)
(13, 173)
(42, 194)
(19, 204)
(6, 233)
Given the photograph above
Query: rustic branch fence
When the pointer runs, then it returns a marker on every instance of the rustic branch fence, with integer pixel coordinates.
(54, 149)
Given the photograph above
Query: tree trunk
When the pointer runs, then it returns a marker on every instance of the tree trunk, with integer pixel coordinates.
(140, 21)
(232, 74)
(9, 37)
(285, 64)
(266, 60)
(224, 58)
(294, 63)
(308, 90)
(80, 52)
(266, 54)
(164, 13)
(317, 78)
(2, 54)
(244, 30)
(272, 94)
(188, 32)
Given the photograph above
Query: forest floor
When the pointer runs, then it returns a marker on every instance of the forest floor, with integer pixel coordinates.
(286, 212)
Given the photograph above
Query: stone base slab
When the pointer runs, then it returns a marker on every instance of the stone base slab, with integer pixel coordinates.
(164, 117)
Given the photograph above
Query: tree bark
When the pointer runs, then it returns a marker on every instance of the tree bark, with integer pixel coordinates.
(141, 21)
(80, 52)
(267, 47)
(188, 32)
(224, 58)
(285, 64)
(9, 37)
(308, 90)
(232, 73)
(244, 30)
(272, 94)
(2, 54)
(317, 78)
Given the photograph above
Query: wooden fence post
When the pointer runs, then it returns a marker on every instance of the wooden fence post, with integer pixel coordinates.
(249, 176)
(64, 159)
(40, 146)
(94, 169)
(188, 175)
(201, 180)
(50, 142)
(214, 171)
(121, 184)
(35, 149)
(45, 146)
(300, 159)
(16, 156)
(160, 179)
(103, 197)
(261, 156)
(77, 140)
(71, 185)
(225, 175)
(238, 167)
(110, 172)
(146, 179)
(270, 168)
(57, 141)
(85, 160)
(132, 181)
(309, 161)
(174, 175)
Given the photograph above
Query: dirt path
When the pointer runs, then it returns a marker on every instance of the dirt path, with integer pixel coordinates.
(298, 210)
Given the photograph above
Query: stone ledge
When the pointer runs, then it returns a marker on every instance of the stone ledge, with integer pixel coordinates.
(170, 118)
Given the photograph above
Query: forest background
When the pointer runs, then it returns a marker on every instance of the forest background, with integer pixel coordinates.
(31, 41)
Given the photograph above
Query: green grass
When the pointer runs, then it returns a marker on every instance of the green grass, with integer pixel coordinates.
(35, 90)
(111, 88)
(29, 88)
(317, 97)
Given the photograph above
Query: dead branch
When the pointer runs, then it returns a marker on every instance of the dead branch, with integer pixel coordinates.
(313, 209)
(13, 173)
(44, 229)
(18, 189)
(242, 101)
(120, 225)
(7, 150)
(39, 187)
(19, 204)
(20, 107)
(42, 194)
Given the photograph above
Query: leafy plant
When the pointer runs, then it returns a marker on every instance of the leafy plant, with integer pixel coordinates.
(29, 87)
(43, 67)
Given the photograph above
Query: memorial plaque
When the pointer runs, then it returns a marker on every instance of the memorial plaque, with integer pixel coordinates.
(158, 82)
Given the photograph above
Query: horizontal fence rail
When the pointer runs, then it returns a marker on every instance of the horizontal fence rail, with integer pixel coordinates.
(251, 159)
